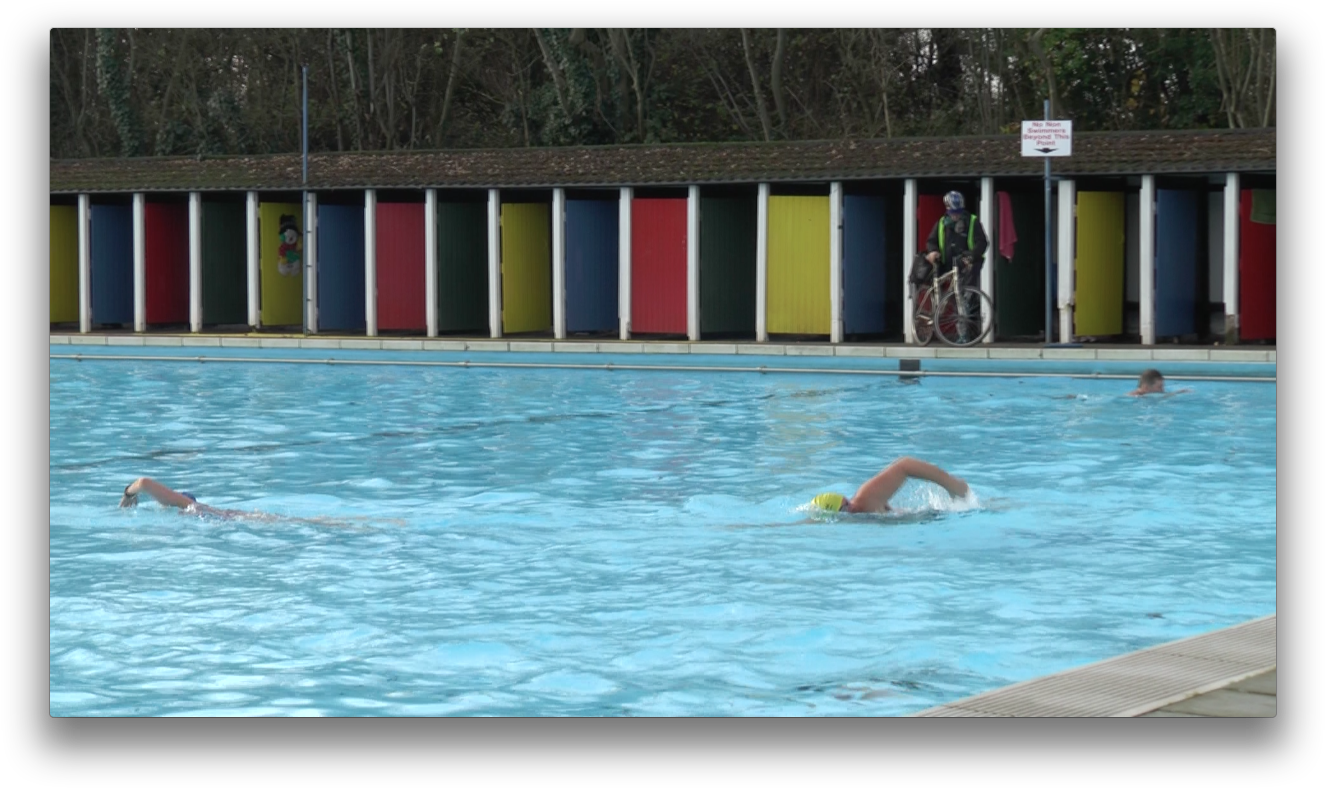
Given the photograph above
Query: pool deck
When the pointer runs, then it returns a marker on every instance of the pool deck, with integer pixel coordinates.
(1085, 351)
(1231, 672)
(1247, 363)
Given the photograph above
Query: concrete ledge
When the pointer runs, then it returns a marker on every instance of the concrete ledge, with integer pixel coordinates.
(666, 347)
(1186, 354)
(528, 347)
(445, 344)
(1240, 355)
(1014, 352)
(574, 347)
(761, 350)
(910, 352)
(960, 352)
(1122, 354)
(278, 342)
(320, 344)
(402, 344)
(715, 348)
(163, 341)
(810, 350)
(1069, 353)
(494, 345)
(134, 341)
(201, 341)
(859, 351)
(240, 342)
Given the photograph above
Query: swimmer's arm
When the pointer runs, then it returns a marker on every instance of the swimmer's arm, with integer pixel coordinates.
(919, 469)
(156, 491)
(873, 495)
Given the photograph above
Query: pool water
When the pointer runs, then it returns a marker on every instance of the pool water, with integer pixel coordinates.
(551, 542)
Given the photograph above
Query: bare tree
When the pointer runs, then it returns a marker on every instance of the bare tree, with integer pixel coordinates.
(1245, 62)
(754, 81)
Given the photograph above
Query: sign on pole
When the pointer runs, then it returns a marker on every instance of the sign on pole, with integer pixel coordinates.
(1046, 138)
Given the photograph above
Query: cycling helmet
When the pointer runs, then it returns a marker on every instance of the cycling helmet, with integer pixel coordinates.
(953, 201)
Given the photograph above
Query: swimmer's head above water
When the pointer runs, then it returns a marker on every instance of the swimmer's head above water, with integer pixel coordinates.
(831, 502)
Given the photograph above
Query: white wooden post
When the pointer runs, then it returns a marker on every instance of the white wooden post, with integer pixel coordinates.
(559, 263)
(84, 263)
(430, 260)
(370, 261)
(253, 252)
(139, 263)
(494, 263)
(989, 218)
(310, 263)
(835, 259)
(195, 262)
(1067, 236)
(908, 256)
(1147, 250)
(1232, 240)
(623, 259)
(761, 263)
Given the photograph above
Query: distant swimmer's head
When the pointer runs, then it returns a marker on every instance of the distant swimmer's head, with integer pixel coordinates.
(1150, 382)
(831, 502)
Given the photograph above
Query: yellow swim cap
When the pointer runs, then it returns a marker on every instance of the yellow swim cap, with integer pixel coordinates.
(829, 501)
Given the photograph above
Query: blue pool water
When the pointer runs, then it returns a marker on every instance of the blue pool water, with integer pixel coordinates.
(550, 542)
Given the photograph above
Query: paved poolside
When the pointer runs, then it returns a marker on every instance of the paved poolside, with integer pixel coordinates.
(1231, 672)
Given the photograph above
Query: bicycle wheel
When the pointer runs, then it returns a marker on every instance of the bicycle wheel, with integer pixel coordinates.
(963, 324)
(922, 315)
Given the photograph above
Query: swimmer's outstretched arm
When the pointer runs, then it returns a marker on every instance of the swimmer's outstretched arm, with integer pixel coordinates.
(873, 495)
(156, 491)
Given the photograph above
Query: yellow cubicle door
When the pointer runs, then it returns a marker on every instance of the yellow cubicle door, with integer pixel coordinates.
(64, 264)
(1101, 220)
(526, 267)
(798, 276)
(281, 263)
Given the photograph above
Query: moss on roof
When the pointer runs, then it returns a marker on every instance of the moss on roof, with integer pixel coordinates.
(1094, 153)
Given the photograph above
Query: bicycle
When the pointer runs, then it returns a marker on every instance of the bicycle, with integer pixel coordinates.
(961, 309)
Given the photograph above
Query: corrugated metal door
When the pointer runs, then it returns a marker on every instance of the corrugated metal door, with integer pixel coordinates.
(592, 269)
(401, 292)
(658, 265)
(462, 266)
(224, 274)
(281, 263)
(864, 263)
(526, 267)
(1176, 243)
(166, 261)
(1101, 219)
(727, 239)
(798, 278)
(1257, 248)
(64, 263)
(340, 268)
(111, 251)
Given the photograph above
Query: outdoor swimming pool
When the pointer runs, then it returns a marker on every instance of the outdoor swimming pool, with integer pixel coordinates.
(552, 542)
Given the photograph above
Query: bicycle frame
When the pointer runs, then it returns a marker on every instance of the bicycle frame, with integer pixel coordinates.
(940, 287)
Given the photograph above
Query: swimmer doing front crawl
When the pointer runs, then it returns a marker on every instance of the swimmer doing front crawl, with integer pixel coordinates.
(188, 502)
(873, 495)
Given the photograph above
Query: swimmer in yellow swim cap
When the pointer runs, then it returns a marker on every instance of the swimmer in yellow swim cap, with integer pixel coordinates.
(873, 495)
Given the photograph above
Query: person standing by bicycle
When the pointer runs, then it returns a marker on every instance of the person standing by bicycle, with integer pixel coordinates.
(957, 237)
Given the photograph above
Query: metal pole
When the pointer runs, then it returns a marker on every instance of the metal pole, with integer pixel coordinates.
(307, 223)
(1048, 249)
